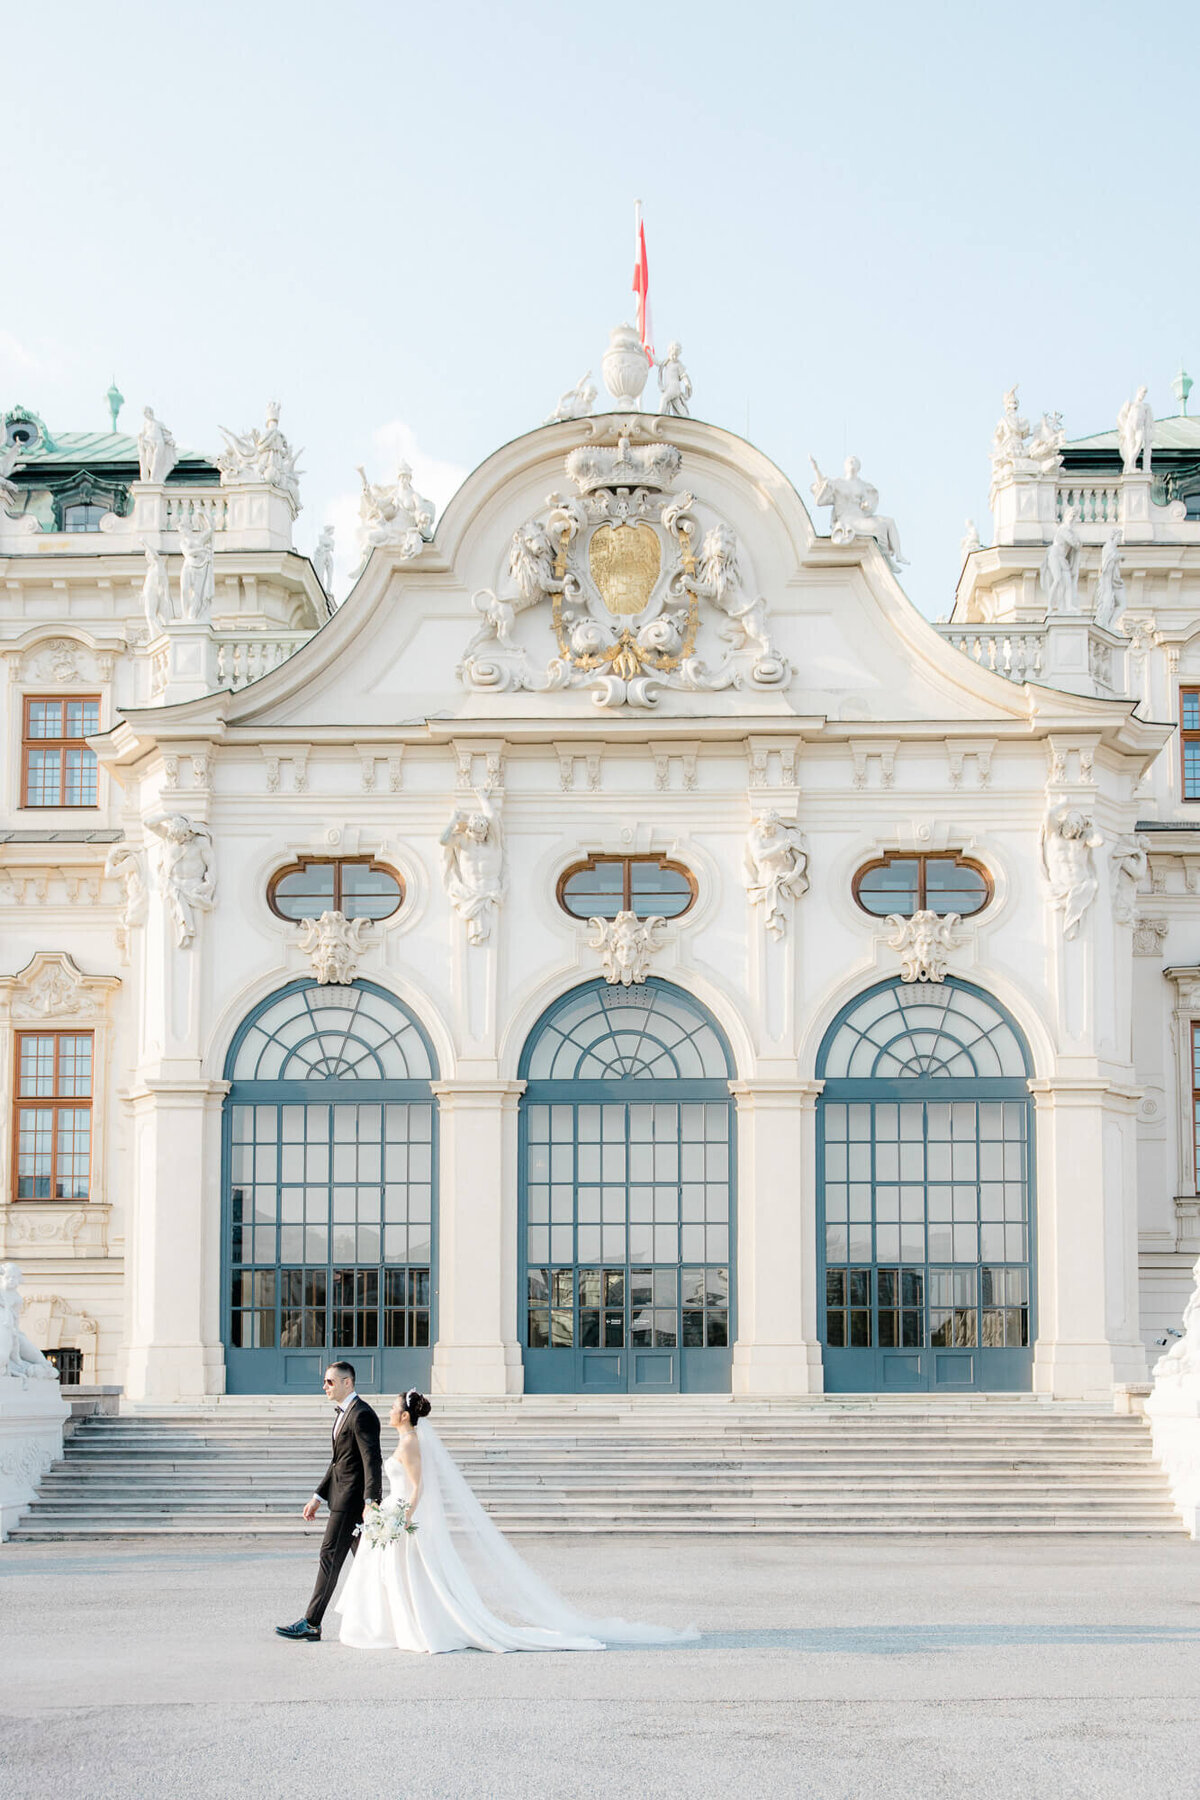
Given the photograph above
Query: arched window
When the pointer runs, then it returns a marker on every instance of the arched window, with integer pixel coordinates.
(626, 1194)
(330, 1168)
(925, 1177)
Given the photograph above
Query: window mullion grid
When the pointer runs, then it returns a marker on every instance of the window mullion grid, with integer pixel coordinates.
(627, 883)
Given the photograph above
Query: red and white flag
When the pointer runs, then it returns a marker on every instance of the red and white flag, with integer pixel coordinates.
(641, 284)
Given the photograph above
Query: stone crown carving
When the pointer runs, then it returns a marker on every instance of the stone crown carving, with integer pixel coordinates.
(629, 465)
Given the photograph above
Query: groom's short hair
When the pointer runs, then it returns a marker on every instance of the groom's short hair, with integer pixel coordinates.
(343, 1368)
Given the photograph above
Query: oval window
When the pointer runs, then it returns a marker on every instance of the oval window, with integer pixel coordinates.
(603, 886)
(354, 886)
(906, 883)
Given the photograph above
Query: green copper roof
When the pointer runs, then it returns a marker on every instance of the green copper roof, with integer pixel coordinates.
(93, 447)
(1177, 433)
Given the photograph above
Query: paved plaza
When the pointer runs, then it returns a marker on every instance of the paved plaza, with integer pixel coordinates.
(827, 1668)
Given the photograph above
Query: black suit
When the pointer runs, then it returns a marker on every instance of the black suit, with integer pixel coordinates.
(354, 1476)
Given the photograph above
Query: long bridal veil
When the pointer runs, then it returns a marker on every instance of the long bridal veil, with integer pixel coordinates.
(458, 1528)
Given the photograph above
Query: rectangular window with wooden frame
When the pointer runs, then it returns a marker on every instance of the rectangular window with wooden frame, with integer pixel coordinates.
(52, 1128)
(1196, 1105)
(57, 766)
(1189, 736)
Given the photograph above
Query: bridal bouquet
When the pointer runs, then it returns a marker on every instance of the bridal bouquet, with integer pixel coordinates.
(383, 1523)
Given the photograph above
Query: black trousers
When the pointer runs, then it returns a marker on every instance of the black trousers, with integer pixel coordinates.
(339, 1540)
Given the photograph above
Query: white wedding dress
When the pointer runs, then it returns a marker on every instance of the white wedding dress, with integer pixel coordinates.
(436, 1587)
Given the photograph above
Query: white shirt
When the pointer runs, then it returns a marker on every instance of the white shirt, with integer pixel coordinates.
(343, 1407)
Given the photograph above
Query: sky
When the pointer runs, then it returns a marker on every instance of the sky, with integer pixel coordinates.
(413, 226)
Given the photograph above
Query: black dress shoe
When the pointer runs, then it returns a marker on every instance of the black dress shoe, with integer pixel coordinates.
(301, 1631)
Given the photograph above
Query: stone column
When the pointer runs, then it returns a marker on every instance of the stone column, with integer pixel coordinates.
(477, 1349)
(1087, 1267)
(777, 1350)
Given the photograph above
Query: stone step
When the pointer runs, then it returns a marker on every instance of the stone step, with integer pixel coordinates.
(592, 1467)
(835, 1524)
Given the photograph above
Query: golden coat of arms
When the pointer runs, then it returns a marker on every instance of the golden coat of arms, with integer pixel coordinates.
(625, 562)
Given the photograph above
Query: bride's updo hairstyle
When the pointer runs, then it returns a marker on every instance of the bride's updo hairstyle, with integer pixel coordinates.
(415, 1405)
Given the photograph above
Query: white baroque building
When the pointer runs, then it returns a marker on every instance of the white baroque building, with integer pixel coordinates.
(624, 946)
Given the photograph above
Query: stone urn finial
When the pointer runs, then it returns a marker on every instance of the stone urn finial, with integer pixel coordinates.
(625, 367)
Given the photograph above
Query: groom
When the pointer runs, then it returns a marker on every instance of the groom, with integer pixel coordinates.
(354, 1476)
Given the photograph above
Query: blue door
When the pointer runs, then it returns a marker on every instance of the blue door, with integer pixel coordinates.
(626, 1215)
(329, 1175)
(925, 1184)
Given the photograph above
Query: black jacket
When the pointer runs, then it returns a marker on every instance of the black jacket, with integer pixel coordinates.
(355, 1473)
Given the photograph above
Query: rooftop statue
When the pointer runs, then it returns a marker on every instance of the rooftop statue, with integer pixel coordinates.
(1059, 573)
(1045, 448)
(157, 454)
(262, 455)
(393, 513)
(1010, 442)
(1110, 588)
(674, 384)
(156, 591)
(1135, 427)
(322, 558)
(854, 502)
(196, 577)
(577, 402)
(970, 539)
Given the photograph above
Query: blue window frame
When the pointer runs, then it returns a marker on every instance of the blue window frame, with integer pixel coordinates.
(329, 1185)
(627, 1190)
(925, 1189)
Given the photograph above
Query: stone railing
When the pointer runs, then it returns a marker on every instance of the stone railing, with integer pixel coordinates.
(1018, 654)
(229, 659)
(1095, 502)
(246, 656)
(202, 506)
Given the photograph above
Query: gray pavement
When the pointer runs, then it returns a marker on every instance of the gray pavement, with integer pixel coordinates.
(828, 1668)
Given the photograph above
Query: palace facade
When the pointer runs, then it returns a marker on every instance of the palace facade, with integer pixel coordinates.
(623, 947)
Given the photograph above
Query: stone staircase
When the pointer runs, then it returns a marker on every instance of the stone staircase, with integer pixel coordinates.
(694, 1464)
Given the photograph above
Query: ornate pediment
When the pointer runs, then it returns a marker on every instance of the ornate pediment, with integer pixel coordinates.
(646, 590)
(51, 986)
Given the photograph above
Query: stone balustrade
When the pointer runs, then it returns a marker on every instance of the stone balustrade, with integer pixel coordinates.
(243, 657)
(1095, 502)
(221, 659)
(1017, 654)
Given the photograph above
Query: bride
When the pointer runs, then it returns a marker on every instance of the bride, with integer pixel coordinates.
(425, 1591)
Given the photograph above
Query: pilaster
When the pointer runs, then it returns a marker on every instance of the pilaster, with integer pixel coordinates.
(477, 1350)
(777, 1349)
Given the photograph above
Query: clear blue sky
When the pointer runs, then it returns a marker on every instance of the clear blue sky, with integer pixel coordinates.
(863, 224)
